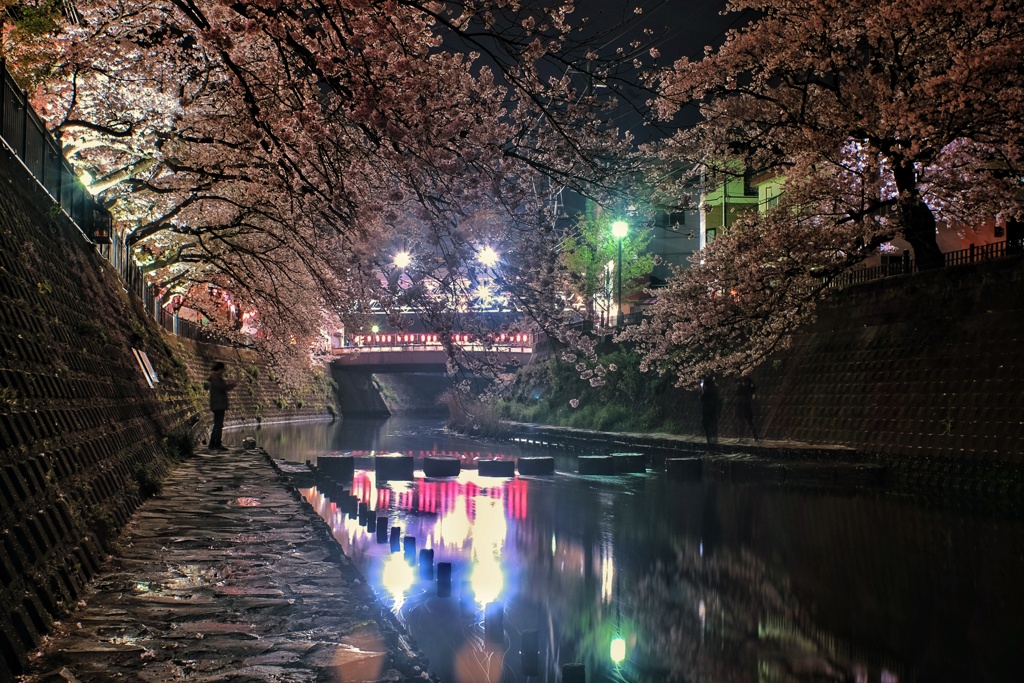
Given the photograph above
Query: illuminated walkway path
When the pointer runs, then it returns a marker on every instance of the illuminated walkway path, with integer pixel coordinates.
(226, 575)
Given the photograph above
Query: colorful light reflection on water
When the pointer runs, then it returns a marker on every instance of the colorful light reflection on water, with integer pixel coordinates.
(710, 580)
(466, 521)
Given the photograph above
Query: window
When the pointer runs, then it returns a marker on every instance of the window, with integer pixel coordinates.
(749, 190)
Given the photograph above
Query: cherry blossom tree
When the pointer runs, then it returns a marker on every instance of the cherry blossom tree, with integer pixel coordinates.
(278, 150)
(882, 116)
(25, 30)
(753, 285)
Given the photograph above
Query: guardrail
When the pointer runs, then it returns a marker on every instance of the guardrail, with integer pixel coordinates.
(983, 252)
(26, 137)
(433, 339)
(908, 266)
(428, 341)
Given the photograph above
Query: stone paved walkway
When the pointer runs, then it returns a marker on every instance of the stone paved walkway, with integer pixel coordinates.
(227, 576)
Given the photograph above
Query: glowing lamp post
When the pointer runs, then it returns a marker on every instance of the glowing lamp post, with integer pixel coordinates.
(488, 257)
(402, 259)
(618, 650)
(619, 230)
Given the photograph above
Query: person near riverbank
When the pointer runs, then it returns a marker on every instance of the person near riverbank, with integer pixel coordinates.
(709, 410)
(745, 405)
(219, 388)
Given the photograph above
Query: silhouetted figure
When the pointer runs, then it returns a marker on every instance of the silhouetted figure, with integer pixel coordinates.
(709, 409)
(745, 405)
(1014, 237)
(219, 388)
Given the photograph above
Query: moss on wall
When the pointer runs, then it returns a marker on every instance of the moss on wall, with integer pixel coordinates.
(84, 438)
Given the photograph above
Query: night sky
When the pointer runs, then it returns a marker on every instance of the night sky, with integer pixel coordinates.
(681, 27)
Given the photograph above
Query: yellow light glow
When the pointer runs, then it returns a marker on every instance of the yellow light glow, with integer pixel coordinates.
(487, 580)
(488, 257)
(398, 577)
(607, 576)
(618, 649)
(454, 528)
(402, 259)
(489, 530)
(619, 229)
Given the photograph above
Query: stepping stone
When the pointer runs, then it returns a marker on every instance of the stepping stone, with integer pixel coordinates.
(537, 465)
(497, 468)
(441, 466)
(394, 467)
(630, 463)
(337, 467)
(596, 464)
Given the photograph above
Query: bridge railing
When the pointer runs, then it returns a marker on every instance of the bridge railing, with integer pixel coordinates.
(425, 341)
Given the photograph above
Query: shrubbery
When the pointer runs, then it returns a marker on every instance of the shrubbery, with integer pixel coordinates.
(550, 391)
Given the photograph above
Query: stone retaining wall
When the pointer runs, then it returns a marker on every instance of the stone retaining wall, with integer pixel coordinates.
(83, 437)
(261, 396)
(928, 366)
(925, 370)
(81, 432)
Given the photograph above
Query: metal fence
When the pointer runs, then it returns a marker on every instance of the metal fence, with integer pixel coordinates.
(974, 254)
(908, 266)
(119, 256)
(26, 136)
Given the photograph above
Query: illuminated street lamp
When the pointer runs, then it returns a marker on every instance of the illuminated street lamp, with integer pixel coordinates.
(488, 257)
(618, 650)
(402, 259)
(619, 230)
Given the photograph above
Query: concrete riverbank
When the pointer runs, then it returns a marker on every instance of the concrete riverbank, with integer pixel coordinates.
(227, 574)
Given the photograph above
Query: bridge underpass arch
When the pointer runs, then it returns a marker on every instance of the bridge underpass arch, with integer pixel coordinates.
(392, 374)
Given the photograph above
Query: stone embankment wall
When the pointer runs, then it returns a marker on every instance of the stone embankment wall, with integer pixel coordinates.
(83, 437)
(260, 397)
(81, 433)
(927, 366)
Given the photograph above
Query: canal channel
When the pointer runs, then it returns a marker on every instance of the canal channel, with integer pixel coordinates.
(643, 578)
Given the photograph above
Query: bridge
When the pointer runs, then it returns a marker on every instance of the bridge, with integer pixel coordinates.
(424, 352)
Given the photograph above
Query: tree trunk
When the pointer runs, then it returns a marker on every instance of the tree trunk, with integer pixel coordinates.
(1014, 237)
(919, 230)
(917, 219)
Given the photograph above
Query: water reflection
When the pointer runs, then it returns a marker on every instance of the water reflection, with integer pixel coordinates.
(647, 580)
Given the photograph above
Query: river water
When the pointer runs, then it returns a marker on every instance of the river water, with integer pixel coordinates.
(643, 579)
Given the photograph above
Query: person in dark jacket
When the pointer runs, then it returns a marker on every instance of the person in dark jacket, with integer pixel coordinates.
(745, 405)
(709, 410)
(219, 388)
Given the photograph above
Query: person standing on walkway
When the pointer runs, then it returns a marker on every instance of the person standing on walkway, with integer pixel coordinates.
(745, 405)
(709, 410)
(219, 388)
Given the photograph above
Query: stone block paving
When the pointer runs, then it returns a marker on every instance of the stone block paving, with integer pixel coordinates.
(226, 575)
